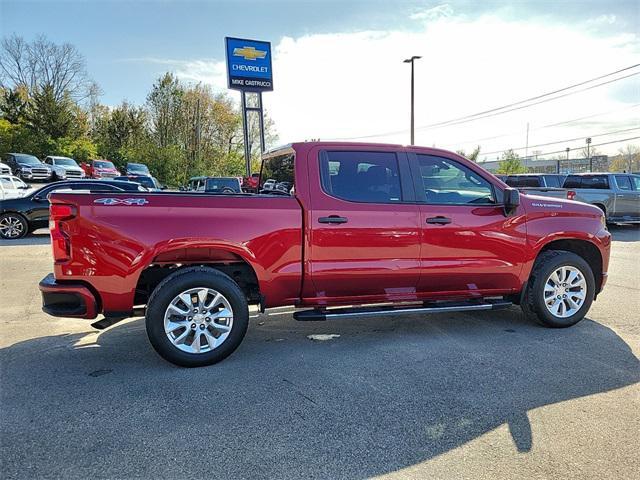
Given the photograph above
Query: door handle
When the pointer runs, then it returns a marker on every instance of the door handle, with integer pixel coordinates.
(332, 219)
(439, 220)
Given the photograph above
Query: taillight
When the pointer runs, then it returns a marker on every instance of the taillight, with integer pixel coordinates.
(58, 213)
(571, 195)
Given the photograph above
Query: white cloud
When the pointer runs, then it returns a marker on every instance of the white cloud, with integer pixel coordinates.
(343, 85)
(433, 13)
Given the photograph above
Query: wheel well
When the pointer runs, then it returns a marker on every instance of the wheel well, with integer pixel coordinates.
(601, 207)
(584, 249)
(236, 268)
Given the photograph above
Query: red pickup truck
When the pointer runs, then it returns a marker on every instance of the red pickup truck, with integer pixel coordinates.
(100, 169)
(405, 229)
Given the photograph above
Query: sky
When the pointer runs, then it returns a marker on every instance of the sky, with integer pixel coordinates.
(338, 70)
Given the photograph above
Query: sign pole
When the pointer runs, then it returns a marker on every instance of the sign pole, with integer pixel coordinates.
(261, 113)
(245, 133)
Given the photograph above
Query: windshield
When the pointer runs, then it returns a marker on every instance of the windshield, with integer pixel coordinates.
(69, 162)
(27, 159)
(278, 174)
(137, 167)
(221, 184)
(103, 164)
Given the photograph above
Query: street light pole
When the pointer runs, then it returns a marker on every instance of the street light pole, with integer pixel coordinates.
(411, 60)
(589, 154)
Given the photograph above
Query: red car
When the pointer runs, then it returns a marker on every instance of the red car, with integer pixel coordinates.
(250, 184)
(100, 169)
(417, 229)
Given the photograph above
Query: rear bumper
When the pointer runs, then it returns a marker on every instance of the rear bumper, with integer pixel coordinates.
(67, 299)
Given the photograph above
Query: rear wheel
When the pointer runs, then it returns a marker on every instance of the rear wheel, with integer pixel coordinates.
(197, 316)
(13, 226)
(560, 290)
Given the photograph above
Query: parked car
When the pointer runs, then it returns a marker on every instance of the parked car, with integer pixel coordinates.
(422, 229)
(544, 184)
(100, 169)
(268, 185)
(196, 184)
(5, 169)
(616, 194)
(222, 185)
(137, 169)
(13, 187)
(147, 181)
(535, 180)
(20, 216)
(250, 184)
(27, 167)
(214, 184)
(64, 168)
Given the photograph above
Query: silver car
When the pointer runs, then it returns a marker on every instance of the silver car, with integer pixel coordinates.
(64, 168)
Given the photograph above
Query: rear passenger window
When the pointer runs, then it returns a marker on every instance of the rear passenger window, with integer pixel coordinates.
(572, 181)
(636, 182)
(530, 182)
(447, 182)
(596, 182)
(624, 183)
(370, 177)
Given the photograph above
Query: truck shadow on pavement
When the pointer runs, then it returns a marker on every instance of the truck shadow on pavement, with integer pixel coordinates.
(385, 395)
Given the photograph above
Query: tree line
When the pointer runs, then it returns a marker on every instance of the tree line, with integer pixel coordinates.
(50, 106)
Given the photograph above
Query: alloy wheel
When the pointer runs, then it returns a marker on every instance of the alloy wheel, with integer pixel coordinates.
(11, 227)
(198, 320)
(565, 291)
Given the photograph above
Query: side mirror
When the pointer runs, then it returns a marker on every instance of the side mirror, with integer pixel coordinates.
(511, 200)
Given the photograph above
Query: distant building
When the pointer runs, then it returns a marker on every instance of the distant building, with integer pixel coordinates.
(572, 165)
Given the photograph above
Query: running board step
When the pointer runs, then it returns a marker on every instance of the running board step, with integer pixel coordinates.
(433, 307)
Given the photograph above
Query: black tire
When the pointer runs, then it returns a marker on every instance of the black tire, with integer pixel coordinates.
(533, 303)
(180, 281)
(21, 224)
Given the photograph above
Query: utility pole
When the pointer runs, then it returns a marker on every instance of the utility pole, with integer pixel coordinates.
(566, 150)
(589, 154)
(411, 60)
(526, 148)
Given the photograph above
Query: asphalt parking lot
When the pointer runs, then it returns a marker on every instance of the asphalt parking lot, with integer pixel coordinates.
(482, 395)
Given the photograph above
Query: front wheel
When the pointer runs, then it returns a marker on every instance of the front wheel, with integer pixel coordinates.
(13, 226)
(560, 290)
(196, 316)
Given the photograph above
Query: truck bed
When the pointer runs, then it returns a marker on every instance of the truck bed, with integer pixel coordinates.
(114, 236)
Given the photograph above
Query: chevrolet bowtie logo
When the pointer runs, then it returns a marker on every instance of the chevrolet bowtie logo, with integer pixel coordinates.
(249, 53)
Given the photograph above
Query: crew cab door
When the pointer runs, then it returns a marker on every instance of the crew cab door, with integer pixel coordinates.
(627, 196)
(364, 235)
(469, 247)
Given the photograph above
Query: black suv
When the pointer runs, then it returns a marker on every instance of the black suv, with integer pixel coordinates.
(19, 216)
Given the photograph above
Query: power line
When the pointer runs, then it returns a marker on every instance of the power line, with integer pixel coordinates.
(578, 148)
(557, 124)
(496, 111)
(563, 141)
(451, 123)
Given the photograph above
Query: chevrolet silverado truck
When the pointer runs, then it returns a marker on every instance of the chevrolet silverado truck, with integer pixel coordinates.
(365, 230)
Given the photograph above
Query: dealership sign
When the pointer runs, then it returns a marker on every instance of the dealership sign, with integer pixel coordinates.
(249, 65)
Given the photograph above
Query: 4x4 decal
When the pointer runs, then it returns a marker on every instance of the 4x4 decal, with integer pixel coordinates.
(122, 201)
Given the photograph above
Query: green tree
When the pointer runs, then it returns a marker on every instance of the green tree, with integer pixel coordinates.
(164, 105)
(510, 162)
(13, 104)
(473, 155)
